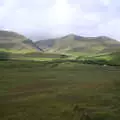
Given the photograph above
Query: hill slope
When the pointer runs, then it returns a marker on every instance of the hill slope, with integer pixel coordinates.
(73, 43)
(11, 41)
(113, 58)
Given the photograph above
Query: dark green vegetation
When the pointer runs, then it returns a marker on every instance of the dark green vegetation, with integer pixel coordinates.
(4, 56)
(58, 91)
(14, 42)
(113, 58)
(78, 45)
(106, 59)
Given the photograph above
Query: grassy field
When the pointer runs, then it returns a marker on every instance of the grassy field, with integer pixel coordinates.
(18, 51)
(113, 58)
(52, 91)
(32, 56)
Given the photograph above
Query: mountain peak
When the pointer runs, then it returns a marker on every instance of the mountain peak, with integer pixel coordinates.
(104, 37)
(76, 43)
(74, 36)
(14, 41)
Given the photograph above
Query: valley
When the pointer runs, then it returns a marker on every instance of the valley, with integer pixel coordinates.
(67, 78)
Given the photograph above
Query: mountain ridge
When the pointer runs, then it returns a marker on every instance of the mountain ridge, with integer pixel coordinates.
(12, 41)
(76, 43)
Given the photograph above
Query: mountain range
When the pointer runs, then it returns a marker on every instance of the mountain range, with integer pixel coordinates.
(67, 44)
(78, 44)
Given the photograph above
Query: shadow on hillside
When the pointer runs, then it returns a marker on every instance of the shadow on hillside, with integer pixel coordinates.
(4, 56)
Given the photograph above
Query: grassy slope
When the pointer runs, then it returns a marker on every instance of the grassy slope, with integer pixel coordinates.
(41, 91)
(73, 44)
(34, 56)
(113, 58)
(14, 42)
(37, 56)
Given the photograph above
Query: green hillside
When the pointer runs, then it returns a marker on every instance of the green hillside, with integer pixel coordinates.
(112, 58)
(78, 44)
(14, 42)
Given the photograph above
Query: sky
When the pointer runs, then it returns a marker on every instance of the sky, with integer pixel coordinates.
(41, 19)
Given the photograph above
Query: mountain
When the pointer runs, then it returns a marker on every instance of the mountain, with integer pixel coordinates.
(79, 44)
(12, 41)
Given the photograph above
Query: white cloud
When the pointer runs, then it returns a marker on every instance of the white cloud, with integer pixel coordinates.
(106, 2)
(111, 28)
(88, 17)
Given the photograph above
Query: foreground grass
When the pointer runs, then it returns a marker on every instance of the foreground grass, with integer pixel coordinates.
(47, 90)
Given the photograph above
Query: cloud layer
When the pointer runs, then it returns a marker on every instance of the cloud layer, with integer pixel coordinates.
(51, 18)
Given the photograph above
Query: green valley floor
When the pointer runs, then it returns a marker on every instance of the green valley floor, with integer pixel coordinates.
(64, 91)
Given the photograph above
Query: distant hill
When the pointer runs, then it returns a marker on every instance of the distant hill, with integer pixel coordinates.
(11, 41)
(79, 44)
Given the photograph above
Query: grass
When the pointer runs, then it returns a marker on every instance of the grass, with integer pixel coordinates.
(106, 58)
(34, 59)
(113, 58)
(50, 90)
(32, 56)
(13, 51)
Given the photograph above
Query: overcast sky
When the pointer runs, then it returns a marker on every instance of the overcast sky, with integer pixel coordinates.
(51, 18)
